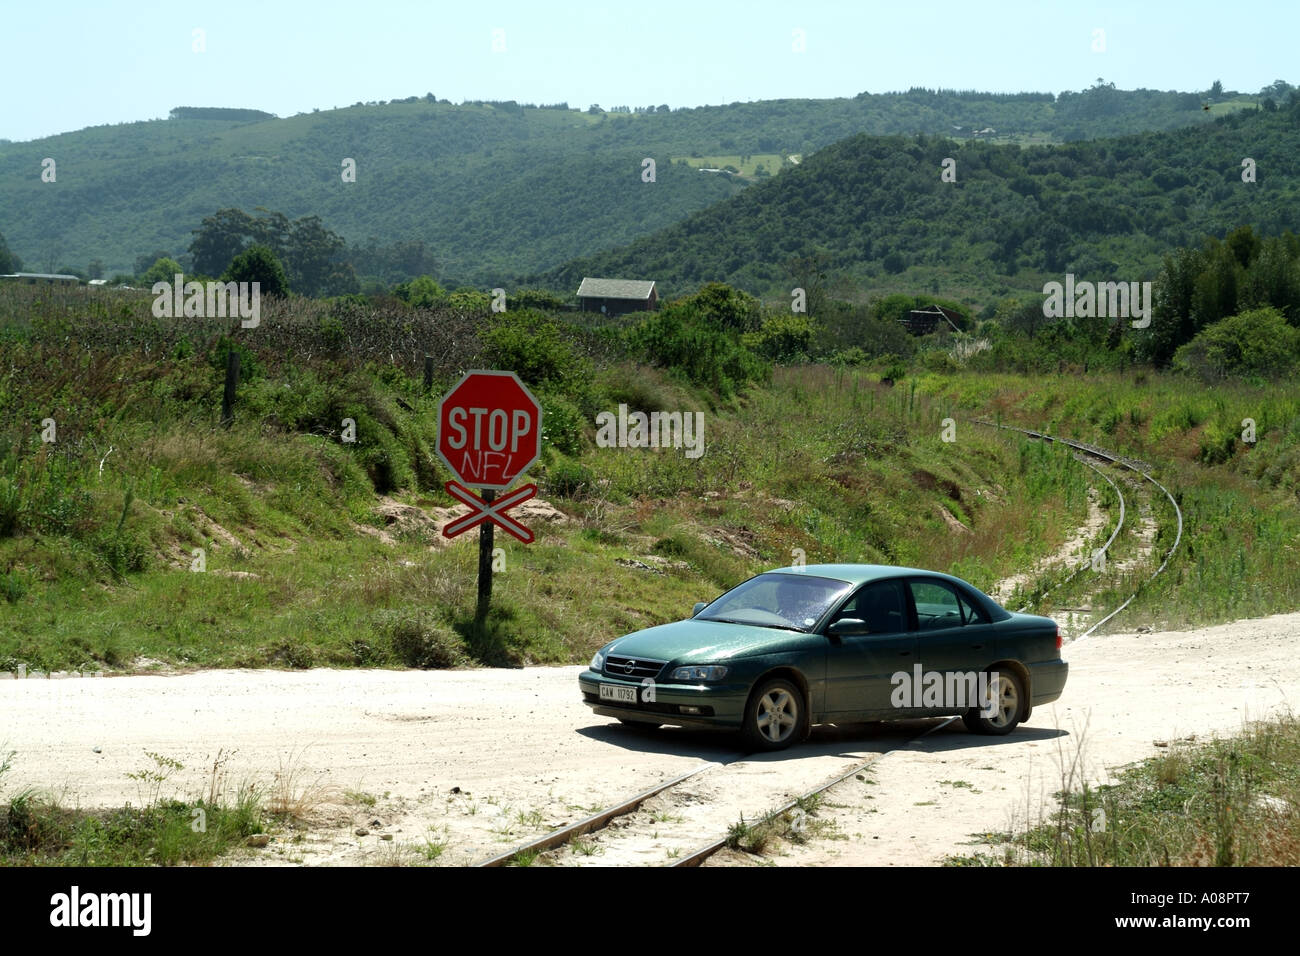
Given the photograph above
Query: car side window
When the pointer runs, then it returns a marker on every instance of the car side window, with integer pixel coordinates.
(881, 604)
(937, 605)
(970, 612)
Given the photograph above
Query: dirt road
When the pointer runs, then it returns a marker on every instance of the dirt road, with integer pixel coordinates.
(479, 760)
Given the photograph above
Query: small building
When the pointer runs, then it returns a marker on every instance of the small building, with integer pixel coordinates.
(40, 277)
(616, 296)
(924, 321)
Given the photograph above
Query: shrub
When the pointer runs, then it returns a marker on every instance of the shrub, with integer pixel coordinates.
(249, 367)
(849, 356)
(530, 345)
(163, 270)
(784, 337)
(418, 642)
(567, 478)
(423, 292)
(561, 424)
(702, 355)
(1256, 342)
(258, 263)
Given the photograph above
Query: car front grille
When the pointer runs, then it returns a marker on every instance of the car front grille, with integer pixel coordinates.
(632, 668)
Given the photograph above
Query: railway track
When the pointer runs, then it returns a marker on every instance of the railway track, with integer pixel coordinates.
(1142, 469)
(741, 774)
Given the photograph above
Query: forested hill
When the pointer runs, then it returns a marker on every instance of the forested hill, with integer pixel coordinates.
(879, 212)
(493, 189)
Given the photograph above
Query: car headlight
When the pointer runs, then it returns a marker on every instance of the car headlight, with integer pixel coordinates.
(712, 672)
(598, 661)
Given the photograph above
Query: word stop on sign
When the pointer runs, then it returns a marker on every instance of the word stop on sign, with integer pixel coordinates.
(490, 442)
(489, 429)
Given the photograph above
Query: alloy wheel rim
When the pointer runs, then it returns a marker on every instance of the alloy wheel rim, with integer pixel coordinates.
(1008, 702)
(777, 715)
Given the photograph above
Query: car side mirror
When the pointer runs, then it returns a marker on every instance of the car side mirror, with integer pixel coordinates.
(847, 627)
(699, 606)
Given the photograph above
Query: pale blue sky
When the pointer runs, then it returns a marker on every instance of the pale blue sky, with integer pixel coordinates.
(82, 63)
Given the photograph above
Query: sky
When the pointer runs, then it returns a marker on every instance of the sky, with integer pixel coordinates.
(83, 63)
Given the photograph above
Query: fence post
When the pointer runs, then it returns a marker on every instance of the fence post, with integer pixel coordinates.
(428, 374)
(232, 381)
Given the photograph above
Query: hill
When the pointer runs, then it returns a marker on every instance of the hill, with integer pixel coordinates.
(493, 189)
(879, 211)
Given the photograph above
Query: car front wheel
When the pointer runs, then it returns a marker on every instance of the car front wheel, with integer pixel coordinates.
(1008, 693)
(775, 716)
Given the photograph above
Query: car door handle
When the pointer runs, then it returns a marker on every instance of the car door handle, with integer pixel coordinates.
(904, 653)
(977, 647)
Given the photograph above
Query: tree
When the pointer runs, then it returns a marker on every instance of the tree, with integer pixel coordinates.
(164, 269)
(1258, 342)
(1216, 90)
(258, 263)
(219, 238)
(142, 263)
(720, 305)
(423, 292)
(313, 257)
(9, 262)
(808, 272)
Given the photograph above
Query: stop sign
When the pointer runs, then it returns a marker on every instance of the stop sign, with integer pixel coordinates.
(489, 429)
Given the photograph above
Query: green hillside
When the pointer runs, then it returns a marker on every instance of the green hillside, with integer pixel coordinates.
(494, 190)
(878, 210)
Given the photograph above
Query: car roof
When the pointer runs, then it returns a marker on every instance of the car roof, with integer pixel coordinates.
(858, 573)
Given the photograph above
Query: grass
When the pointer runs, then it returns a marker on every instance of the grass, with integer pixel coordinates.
(294, 798)
(797, 825)
(1233, 801)
(36, 830)
(318, 553)
(1237, 497)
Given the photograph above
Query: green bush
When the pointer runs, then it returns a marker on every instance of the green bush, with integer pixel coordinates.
(249, 367)
(258, 263)
(567, 478)
(531, 345)
(938, 360)
(13, 585)
(1218, 442)
(850, 356)
(704, 356)
(562, 424)
(419, 642)
(783, 337)
(1256, 342)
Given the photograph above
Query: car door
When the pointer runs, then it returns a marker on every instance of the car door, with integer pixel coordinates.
(954, 639)
(860, 667)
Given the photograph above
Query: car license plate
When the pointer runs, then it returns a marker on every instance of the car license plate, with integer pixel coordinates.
(624, 695)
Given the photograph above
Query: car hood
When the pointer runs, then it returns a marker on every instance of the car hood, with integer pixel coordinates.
(699, 642)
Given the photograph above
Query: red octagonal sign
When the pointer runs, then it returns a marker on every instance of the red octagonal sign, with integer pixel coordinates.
(489, 429)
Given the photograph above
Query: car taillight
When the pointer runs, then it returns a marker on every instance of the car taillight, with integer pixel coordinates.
(1059, 640)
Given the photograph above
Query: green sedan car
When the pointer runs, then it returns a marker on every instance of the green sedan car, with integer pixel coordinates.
(832, 643)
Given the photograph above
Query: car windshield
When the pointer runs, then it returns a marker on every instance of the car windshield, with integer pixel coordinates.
(785, 600)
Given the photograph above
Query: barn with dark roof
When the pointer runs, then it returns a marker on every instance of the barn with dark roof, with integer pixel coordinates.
(616, 296)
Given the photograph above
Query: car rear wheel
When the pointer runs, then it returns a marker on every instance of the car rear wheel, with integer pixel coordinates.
(775, 716)
(1008, 693)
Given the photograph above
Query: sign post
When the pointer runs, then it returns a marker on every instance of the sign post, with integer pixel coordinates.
(489, 433)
